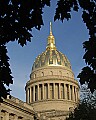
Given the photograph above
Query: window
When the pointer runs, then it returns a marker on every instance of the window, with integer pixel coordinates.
(58, 61)
(42, 74)
(1, 118)
(50, 61)
(51, 73)
(34, 75)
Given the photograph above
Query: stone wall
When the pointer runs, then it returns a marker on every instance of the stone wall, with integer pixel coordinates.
(15, 109)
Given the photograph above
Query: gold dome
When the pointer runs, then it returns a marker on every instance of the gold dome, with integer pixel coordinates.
(51, 56)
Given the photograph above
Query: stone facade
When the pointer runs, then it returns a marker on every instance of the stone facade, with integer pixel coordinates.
(51, 93)
(15, 109)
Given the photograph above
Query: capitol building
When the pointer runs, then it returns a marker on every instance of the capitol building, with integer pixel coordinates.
(52, 91)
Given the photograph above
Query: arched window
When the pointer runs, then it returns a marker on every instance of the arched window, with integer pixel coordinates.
(1, 118)
(42, 74)
(67, 74)
(50, 61)
(34, 75)
(51, 73)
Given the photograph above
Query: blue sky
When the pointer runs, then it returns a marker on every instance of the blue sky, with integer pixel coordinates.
(69, 37)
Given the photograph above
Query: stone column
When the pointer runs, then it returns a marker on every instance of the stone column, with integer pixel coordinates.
(72, 92)
(30, 94)
(54, 89)
(59, 90)
(48, 90)
(6, 117)
(28, 98)
(69, 92)
(65, 91)
(38, 91)
(33, 93)
(43, 90)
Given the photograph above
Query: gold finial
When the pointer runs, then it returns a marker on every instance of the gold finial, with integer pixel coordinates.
(51, 40)
(50, 28)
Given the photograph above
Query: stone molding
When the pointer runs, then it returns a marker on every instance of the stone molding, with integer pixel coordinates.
(52, 67)
(53, 100)
(50, 78)
(46, 115)
(19, 105)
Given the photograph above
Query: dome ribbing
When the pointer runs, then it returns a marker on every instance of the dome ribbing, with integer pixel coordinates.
(51, 56)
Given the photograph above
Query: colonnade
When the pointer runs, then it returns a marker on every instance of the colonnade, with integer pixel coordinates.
(51, 91)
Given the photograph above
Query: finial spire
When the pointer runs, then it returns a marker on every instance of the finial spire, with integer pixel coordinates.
(50, 28)
(51, 40)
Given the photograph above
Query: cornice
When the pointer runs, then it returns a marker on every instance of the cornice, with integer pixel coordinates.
(53, 113)
(52, 67)
(54, 100)
(52, 78)
(17, 106)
